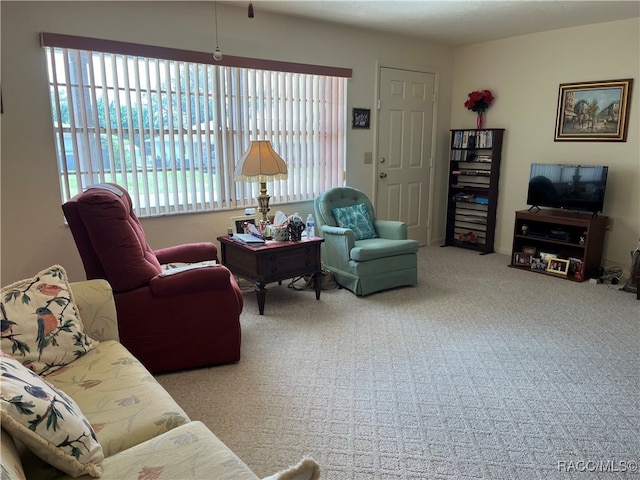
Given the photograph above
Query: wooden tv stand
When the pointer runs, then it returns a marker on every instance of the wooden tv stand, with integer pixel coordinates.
(566, 234)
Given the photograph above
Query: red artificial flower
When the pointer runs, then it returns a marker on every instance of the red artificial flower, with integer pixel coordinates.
(479, 100)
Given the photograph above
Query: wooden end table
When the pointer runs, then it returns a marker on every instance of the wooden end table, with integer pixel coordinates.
(272, 262)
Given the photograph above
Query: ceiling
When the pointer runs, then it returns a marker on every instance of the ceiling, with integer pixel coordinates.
(454, 22)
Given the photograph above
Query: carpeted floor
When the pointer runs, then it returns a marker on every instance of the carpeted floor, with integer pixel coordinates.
(479, 372)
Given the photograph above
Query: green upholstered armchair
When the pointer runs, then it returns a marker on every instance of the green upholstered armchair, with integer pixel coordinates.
(363, 258)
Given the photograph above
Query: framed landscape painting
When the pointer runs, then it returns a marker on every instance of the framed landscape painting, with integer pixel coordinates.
(593, 111)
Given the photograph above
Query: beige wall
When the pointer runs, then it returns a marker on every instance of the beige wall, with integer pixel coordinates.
(524, 73)
(33, 232)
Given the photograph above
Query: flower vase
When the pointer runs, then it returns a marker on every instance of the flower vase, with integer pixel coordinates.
(480, 121)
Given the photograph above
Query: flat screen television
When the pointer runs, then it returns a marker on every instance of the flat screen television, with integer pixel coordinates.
(570, 187)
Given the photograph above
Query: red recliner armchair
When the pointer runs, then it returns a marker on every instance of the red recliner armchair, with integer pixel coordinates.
(169, 321)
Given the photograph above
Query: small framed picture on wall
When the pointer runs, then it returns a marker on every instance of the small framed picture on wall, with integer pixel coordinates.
(361, 118)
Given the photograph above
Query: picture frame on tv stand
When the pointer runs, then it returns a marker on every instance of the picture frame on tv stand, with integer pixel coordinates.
(558, 265)
(522, 259)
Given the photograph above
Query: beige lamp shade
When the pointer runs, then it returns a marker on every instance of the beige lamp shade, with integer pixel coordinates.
(259, 162)
(256, 165)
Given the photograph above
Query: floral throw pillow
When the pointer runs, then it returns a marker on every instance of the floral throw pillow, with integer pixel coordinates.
(356, 218)
(47, 421)
(41, 325)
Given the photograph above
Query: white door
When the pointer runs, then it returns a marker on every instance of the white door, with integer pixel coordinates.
(405, 124)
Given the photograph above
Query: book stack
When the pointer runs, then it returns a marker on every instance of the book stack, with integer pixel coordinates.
(248, 239)
(473, 139)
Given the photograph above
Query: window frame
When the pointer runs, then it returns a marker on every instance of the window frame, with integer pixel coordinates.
(233, 194)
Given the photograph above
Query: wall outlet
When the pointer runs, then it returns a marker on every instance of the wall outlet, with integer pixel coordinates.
(368, 158)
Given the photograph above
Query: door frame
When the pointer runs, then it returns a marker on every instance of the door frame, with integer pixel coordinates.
(434, 132)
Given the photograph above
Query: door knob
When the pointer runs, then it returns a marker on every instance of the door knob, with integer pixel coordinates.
(383, 175)
(382, 160)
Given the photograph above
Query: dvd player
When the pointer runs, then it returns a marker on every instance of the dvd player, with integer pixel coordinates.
(553, 234)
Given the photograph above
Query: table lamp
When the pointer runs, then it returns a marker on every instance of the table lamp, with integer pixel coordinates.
(259, 162)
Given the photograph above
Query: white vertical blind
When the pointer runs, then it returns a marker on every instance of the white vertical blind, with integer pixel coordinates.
(170, 131)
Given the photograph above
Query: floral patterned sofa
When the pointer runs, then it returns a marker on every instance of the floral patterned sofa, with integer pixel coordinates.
(138, 431)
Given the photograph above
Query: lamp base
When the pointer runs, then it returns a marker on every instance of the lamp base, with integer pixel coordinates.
(263, 202)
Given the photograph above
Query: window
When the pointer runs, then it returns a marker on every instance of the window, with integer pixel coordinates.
(169, 125)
